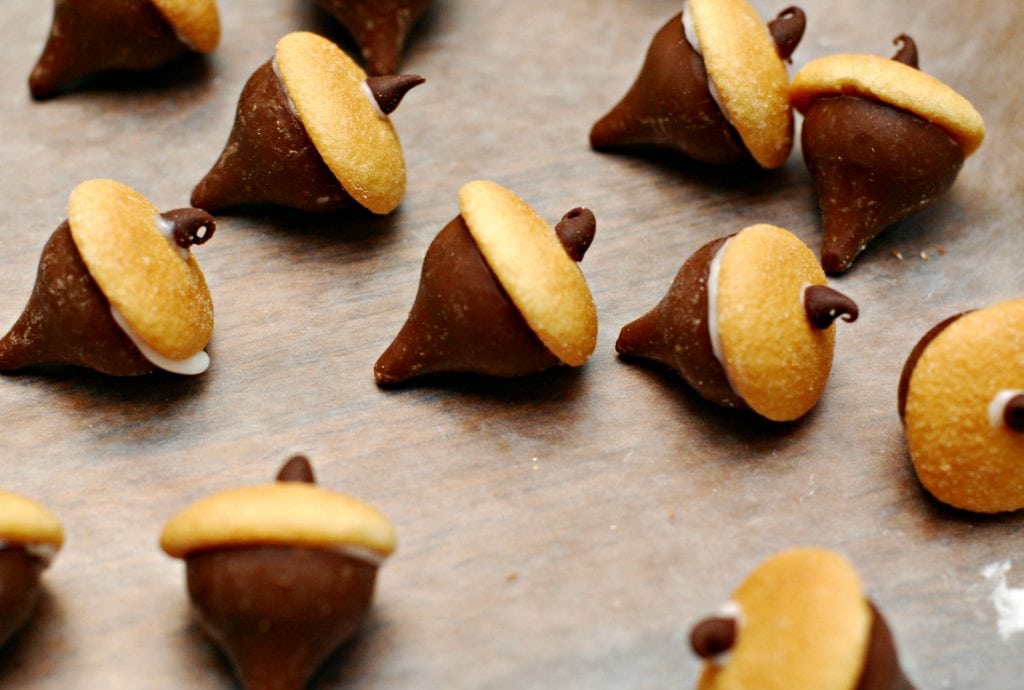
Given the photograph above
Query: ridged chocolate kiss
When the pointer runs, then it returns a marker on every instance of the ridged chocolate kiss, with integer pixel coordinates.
(463, 320)
(93, 36)
(379, 27)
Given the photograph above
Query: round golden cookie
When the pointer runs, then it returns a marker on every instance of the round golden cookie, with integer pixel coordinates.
(772, 356)
(749, 76)
(803, 624)
(284, 514)
(957, 452)
(893, 83)
(26, 521)
(359, 145)
(195, 21)
(532, 266)
(163, 298)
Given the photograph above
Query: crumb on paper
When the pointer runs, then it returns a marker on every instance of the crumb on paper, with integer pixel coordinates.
(898, 255)
(924, 256)
(512, 577)
(1008, 601)
(941, 251)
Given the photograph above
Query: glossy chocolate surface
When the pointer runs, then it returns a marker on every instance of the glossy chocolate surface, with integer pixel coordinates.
(279, 611)
(19, 588)
(67, 319)
(379, 27)
(93, 36)
(872, 165)
(269, 157)
(824, 305)
(911, 363)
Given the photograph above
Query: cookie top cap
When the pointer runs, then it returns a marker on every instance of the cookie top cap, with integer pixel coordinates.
(139, 270)
(894, 83)
(959, 456)
(26, 521)
(531, 264)
(774, 359)
(749, 75)
(195, 21)
(804, 624)
(359, 145)
(281, 514)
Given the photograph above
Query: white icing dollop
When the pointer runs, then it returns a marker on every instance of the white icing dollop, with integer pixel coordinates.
(714, 268)
(166, 229)
(360, 553)
(284, 90)
(190, 366)
(997, 408)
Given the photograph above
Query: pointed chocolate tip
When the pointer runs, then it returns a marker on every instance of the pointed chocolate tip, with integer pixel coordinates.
(787, 30)
(824, 305)
(576, 232)
(713, 637)
(389, 90)
(1013, 413)
(189, 226)
(297, 469)
(906, 50)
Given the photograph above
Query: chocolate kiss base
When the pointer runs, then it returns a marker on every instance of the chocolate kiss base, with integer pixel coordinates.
(872, 165)
(675, 333)
(278, 612)
(670, 105)
(67, 319)
(462, 320)
(19, 574)
(881, 665)
(912, 359)
(269, 157)
(379, 27)
(93, 36)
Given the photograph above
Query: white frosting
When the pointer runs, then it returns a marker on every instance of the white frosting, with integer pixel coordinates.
(997, 408)
(284, 90)
(732, 610)
(190, 366)
(360, 553)
(1008, 601)
(373, 100)
(713, 270)
(44, 552)
(690, 32)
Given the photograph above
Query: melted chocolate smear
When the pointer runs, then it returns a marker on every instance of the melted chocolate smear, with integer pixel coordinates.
(824, 305)
(1013, 415)
(576, 232)
(906, 50)
(389, 90)
(297, 469)
(190, 226)
(787, 29)
(713, 637)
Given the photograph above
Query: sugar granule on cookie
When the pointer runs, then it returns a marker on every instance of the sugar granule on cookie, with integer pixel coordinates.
(500, 294)
(280, 574)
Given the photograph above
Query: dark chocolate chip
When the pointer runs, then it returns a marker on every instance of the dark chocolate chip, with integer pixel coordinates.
(906, 50)
(576, 232)
(1013, 415)
(824, 305)
(190, 226)
(713, 637)
(297, 469)
(389, 90)
(787, 29)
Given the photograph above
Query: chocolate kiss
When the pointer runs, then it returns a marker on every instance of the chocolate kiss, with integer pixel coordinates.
(463, 320)
(379, 27)
(670, 105)
(873, 164)
(93, 36)
(19, 573)
(675, 332)
(67, 319)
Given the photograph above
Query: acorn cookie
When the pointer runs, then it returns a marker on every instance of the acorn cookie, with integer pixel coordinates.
(882, 140)
(90, 37)
(280, 574)
(312, 133)
(713, 87)
(30, 536)
(500, 293)
(118, 289)
(961, 400)
(800, 621)
(379, 27)
(748, 323)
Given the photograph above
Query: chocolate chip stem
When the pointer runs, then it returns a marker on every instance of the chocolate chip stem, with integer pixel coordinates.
(190, 226)
(787, 29)
(576, 231)
(713, 637)
(906, 50)
(824, 305)
(297, 469)
(1013, 413)
(389, 90)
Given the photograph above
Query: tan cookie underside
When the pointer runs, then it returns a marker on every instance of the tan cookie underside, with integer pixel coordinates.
(749, 76)
(959, 457)
(196, 21)
(774, 359)
(359, 146)
(542, 281)
(26, 521)
(894, 83)
(283, 513)
(805, 625)
(163, 298)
